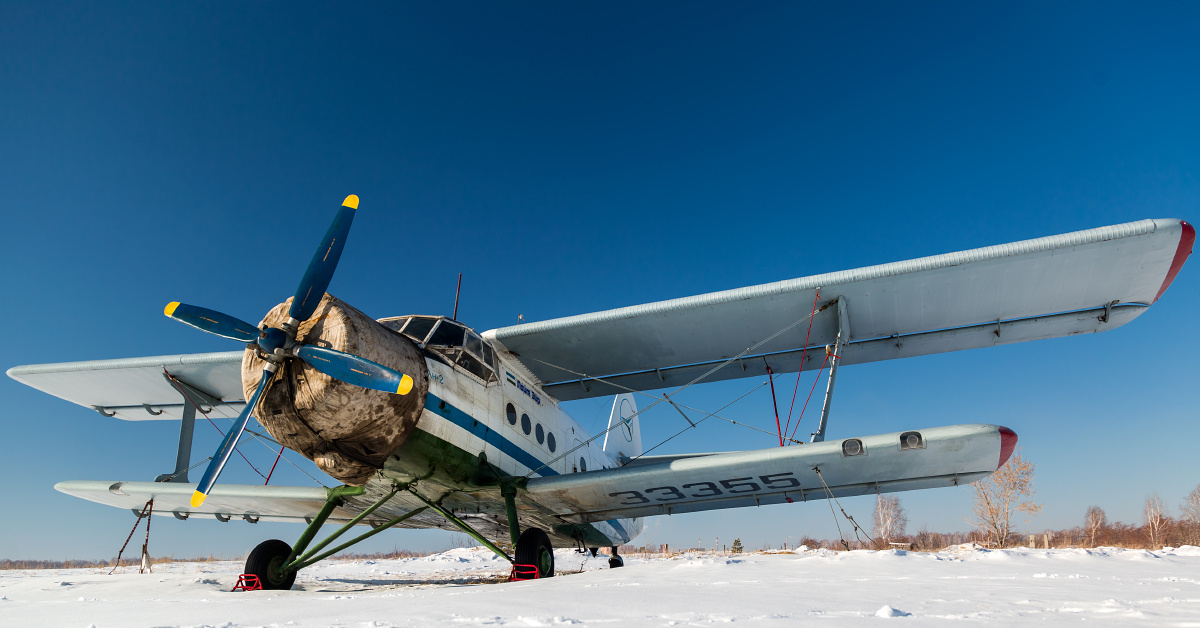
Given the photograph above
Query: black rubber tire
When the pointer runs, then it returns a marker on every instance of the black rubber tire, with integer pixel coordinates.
(264, 561)
(533, 548)
(616, 561)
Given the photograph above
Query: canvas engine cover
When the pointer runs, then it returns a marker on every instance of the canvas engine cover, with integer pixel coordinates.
(347, 430)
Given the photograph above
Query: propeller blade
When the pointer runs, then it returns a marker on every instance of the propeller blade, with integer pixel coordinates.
(324, 262)
(355, 370)
(231, 438)
(211, 321)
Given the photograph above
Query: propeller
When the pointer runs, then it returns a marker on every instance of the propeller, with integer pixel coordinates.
(277, 345)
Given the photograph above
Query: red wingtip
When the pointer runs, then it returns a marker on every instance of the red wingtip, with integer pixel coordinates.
(1186, 240)
(1008, 442)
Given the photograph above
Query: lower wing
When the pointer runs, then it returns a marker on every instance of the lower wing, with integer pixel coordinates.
(901, 461)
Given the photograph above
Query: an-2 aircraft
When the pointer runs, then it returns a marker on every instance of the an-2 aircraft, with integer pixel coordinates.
(430, 424)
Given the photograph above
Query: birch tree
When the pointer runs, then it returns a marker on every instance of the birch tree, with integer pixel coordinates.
(1094, 521)
(890, 518)
(1156, 516)
(1190, 509)
(1001, 495)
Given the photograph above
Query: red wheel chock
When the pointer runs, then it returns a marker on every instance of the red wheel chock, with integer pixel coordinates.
(523, 572)
(247, 582)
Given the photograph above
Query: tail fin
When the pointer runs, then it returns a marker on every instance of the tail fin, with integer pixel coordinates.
(625, 439)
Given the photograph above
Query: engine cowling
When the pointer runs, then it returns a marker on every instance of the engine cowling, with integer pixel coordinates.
(348, 431)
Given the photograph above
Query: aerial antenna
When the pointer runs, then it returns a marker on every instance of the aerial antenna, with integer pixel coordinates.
(456, 293)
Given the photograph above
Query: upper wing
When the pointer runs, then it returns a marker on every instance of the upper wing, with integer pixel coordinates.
(944, 456)
(135, 389)
(1074, 283)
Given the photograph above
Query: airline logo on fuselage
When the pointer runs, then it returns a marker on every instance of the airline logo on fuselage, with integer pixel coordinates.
(512, 379)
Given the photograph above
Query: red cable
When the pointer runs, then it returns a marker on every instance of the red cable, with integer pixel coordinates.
(272, 471)
(810, 392)
(771, 378)
(219, 430)
(802, 353)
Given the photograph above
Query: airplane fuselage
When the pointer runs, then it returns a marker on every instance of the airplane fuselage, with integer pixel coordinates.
(482, 424)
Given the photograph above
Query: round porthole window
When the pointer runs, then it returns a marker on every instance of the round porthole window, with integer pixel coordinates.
(525, 425)
(911, 440)
(512, 414)
(540, 433)
(550, 442)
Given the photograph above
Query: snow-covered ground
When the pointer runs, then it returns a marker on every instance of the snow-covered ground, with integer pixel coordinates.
(465, 587)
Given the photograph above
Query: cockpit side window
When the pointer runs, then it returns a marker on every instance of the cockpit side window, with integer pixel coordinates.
(418, 327)
(474, 359)
(394, 324)
(447, 334)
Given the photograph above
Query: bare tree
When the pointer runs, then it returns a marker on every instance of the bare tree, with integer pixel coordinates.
(890, 518)
(999, 496)
(1094, 521)
(1156, 516)
(1190, 509)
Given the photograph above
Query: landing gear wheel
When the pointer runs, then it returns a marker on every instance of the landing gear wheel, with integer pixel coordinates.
(616, 560)
(533, 548)
(266, 559)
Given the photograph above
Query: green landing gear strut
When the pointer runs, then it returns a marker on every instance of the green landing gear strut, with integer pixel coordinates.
(276, 564)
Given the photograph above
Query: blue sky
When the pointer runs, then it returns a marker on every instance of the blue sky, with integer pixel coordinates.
(571, 158)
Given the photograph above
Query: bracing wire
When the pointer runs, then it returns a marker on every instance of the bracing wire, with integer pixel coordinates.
(258, 436)
(833, 500)
(667, 396)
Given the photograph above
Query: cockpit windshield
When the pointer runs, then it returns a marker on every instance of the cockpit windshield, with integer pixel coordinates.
(449, 339)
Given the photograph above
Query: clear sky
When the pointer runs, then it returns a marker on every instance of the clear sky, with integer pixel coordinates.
(574, 157)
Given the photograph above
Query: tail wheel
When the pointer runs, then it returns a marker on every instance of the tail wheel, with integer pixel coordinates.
(533, 548)
(265, 561)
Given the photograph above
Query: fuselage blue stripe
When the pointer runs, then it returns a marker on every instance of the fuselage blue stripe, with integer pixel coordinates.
(480, 430)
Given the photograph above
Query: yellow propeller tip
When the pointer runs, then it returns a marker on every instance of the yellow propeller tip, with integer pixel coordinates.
(406, 384)
(351, 202)
(170, 309)
(198, 498)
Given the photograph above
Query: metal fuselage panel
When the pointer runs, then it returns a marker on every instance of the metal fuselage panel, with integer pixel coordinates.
(464, 441)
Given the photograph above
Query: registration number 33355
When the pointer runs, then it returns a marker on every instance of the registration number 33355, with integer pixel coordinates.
(733, 486)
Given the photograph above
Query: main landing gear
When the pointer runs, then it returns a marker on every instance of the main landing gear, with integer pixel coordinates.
(276, 563)
(533, 548)
(266, 561)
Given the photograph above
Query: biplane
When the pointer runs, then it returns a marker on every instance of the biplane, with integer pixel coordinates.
(427, 423)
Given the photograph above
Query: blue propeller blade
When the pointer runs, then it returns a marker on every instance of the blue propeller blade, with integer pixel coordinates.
(355, 370)
(212, 321)
(227, 446)
(324, 262)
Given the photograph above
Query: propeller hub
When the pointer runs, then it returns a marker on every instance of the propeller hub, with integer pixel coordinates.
(271, 339)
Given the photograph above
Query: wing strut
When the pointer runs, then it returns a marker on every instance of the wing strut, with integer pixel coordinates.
(843, 337)
(192, 398)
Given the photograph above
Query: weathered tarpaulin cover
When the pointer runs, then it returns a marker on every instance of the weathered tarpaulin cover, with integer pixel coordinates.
(1042, 288)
